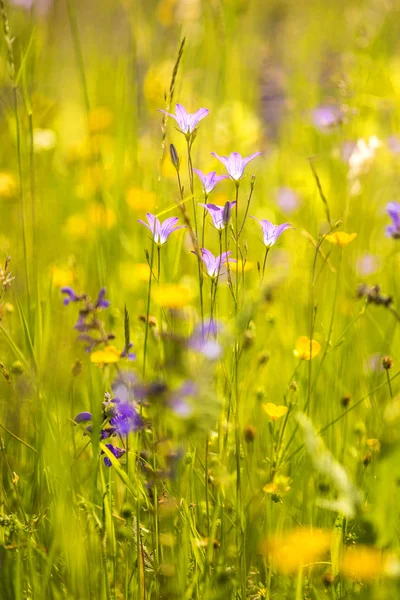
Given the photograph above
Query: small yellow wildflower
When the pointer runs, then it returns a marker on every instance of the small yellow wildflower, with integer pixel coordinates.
(366, 563)
(77, 226)
(140, 200)
(172, 295)
(100, 119)
(374, 444)
(279, 485)
(297, 548)
(109, 355)
(306, 349)
(61, 277)
(275, 411)
(8, 186)
(341, 238)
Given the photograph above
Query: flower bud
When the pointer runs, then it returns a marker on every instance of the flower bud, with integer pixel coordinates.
(226, 215)
(77, 368)
(174, 156)
(249, 433)
(387, 362)
(17, 368)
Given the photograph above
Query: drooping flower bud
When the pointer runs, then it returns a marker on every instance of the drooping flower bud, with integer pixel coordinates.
(174, 156)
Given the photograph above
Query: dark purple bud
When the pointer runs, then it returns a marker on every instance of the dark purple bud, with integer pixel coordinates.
(82, 417)
(226, 215)
(174, 156)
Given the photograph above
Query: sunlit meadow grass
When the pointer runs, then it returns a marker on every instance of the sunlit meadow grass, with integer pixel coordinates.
(204, 406)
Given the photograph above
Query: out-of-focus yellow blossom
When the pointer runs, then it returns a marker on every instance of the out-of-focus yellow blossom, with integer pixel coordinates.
(297, 548)
(132, 275)
(275, 411)
(168, 539)
(109, 355)
(374, 444)
(100, 119)
(366, 563)
(165, 12)
(8, 186)
(279, 485)
(101, 216)
(44, 140)
(156, 82)
(77, 226)
(172, 295)
(341, 238)
(168, 170)
(140, 200)
(61, 277)
(247, 266)
(306, 351)
(238, 125)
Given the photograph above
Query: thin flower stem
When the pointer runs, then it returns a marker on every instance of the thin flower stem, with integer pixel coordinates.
(247, 208)
(158, 263)
(389, 384)
(199, 264)
(263, 267)
(146, 334)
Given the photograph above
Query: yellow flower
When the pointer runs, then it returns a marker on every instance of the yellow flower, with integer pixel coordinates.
(77, 226)
(341, 238)
(297, 548)
(109, 355)
(302, 350)
(100, 119)
(275, 411)
(374, 444)
(279, 485)
(100, 216)
(244, 267)
(133, 275)
(8, 186)
(140, 200)
(61, 277)
(172, 296)
(366, 563)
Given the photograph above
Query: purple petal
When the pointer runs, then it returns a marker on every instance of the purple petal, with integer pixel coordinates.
(82, 417)
(249, 158)
(101, 302)
(194, 119)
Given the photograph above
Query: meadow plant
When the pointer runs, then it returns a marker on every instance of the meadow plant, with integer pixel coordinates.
(227, 425)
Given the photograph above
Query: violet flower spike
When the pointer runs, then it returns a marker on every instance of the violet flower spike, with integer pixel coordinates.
(187, 122)
(161, 231)
(71, 295)
(271, 232)
(235, 164)
(215, 263)
(101, 302)
(209, 180)
(393, 210)
(218, 214)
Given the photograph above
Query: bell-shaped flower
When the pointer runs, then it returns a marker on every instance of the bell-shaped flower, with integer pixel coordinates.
(187, 122)
(235, 164)
(161, 231)
(270, 231)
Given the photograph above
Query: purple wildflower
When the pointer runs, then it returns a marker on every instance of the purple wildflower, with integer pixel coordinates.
(214, 263)
(180, 399)
(235, 164)
(326, 117)
(203, 339)
(126, 418)
(271, 232)
(128, 355)
(219, 214)
(161, 232)
(82, 417)
(101, 302)
(287, 199)
(209, 180)
(393, 210)
(117, 452)
(187, 122)
(71, 295)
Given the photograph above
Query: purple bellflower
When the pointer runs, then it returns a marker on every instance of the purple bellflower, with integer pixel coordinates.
(393, 210)
(220, 215)
(187, 122)
(209, 180)
(161, 231)
(271, 232)
(235, 164)
(215, 263)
